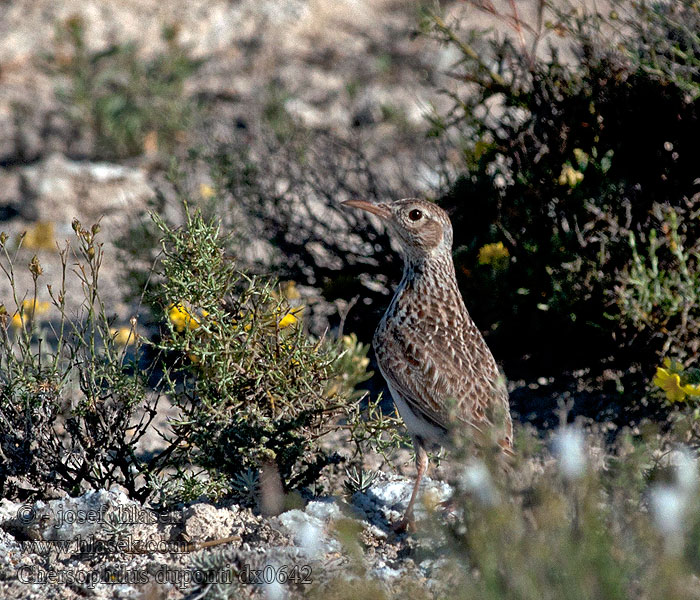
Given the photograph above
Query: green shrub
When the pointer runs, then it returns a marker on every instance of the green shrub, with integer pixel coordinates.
(566, 525)
(254, 390)
(659, 291)
(576, 527)
(129, 104)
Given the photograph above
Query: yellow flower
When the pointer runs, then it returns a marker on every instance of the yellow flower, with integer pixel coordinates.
(288, 320)
(491, 253)
(40, 236)
(182, 319)
(692, 389)
(291, 317)
(670, 383)
(37, 308)
(123, 336)
(206, 191)
(16, 321)
(27, 311)
(570, 176)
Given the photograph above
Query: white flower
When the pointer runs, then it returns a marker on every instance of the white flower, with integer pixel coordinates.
(668, 506)
(570, 449)
(476, 480)
(686, 470)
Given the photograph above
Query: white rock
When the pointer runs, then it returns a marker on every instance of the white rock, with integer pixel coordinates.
(307, 532)
(9, 510)
(325, 511)
(274, 591)
(206, 522)
(383, 572)
(311, 540)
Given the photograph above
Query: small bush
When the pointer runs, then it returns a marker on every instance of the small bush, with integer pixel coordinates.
(579, 530)
(659, 291)
(254, 390)
(74, 402)
(565, 524)
(129, 104)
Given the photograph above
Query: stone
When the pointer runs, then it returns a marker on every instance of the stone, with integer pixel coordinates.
(61, 190)
(206, 522)
(386, 500)
(308, 528)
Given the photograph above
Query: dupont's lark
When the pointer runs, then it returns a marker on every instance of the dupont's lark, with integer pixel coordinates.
(441, 374)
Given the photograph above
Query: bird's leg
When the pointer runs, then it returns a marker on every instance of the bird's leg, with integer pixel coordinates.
(421, 465)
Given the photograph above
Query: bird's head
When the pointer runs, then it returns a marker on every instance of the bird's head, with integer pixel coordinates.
(422, 228)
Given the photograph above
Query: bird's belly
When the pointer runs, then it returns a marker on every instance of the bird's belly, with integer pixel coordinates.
(415, 424)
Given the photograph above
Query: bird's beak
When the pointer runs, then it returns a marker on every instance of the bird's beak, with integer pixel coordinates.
(381, 210)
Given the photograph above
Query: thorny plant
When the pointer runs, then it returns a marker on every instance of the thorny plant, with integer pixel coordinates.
(254, 390)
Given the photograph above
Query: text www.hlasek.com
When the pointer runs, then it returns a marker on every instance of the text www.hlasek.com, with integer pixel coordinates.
(92, 545)
(180, 578)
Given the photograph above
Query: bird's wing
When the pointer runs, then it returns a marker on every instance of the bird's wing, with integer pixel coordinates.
(428, 367)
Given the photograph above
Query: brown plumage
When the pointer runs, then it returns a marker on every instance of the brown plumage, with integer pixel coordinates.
(441, 374)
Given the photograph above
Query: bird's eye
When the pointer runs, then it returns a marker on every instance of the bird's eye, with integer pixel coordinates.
(415, 215)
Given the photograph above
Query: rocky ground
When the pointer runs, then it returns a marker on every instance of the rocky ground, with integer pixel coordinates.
(103, 545)
(354, 69)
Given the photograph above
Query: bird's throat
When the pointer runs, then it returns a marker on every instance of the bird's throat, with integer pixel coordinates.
(435, 274)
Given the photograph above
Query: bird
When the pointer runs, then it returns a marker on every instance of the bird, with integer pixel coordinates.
(441, 374)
